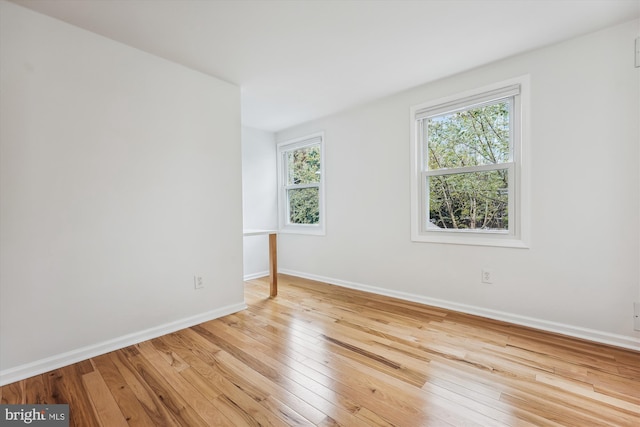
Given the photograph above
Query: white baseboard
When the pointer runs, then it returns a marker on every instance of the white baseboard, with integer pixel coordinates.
(256, 275)
(623, 341)
(27, 370)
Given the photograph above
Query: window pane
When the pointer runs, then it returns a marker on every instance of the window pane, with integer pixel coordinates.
(303, 165)
(468, 201)
(303, 205)
(474, 137)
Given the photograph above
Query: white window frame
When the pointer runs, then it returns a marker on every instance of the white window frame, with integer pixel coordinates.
(518, 235)
(284, 225)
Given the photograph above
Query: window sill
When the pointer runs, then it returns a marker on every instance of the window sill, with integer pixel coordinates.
(312, 230)
(471, 239)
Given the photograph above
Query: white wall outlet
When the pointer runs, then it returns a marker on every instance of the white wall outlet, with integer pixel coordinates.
(636, 316)
(198, 283)
(487, 275)
(637, 52)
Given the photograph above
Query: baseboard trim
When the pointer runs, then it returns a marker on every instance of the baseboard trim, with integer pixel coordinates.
(623, 341)
(38, 367)
(255, 275)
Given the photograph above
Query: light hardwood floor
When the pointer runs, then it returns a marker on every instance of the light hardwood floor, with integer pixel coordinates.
(324, 355)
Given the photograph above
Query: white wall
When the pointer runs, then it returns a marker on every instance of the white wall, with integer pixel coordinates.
(580, 275)
(259, 197)
(120, 181)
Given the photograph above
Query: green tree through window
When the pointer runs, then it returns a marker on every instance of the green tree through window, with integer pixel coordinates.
(303, 169)
(465, 140)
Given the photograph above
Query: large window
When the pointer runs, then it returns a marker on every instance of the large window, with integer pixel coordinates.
(468, 168)
(300, 181)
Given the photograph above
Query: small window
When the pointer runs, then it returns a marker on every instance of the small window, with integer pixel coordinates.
(468, 168)
(300, 181)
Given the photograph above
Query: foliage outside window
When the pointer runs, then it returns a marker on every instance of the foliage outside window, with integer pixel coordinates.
(300, 198)
(467, 161)
(468, 158)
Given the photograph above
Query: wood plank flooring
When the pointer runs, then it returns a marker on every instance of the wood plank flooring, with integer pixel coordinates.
(326, 356)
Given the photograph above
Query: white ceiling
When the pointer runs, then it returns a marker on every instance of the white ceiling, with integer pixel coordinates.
(297, 60)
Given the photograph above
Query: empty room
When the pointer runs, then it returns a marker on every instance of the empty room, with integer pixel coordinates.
(319, 213)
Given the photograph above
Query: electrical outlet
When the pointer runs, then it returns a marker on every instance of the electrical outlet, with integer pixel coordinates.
(636, 316)
(487, 275)
(198, 283)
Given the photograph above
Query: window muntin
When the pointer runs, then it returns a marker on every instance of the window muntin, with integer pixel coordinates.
(300, 180)
(469, 163)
